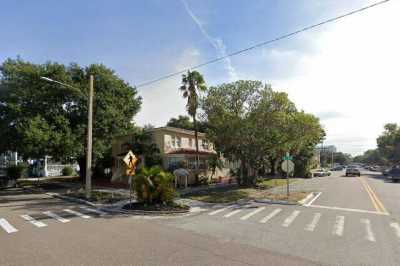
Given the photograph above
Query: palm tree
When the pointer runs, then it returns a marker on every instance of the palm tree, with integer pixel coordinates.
(193, 83)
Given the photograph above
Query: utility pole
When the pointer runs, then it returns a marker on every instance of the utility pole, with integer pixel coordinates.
(89, 141)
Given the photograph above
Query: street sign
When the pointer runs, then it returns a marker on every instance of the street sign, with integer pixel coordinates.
(130, 160)
(287, 157)
(287, 166)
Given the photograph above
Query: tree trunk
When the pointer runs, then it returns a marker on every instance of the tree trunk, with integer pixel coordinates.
(196, 140)
(273, 166)
(82, 167)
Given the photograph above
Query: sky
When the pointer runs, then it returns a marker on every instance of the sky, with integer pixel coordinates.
(346, 73)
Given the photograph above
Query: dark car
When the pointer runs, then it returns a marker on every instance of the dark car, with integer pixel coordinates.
(337, 168)
(353, 171)
(394, 173)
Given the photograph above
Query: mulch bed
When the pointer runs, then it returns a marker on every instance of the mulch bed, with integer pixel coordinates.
(156, 208)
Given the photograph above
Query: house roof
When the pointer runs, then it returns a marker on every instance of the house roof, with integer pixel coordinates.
(177, 130)
(190, 151)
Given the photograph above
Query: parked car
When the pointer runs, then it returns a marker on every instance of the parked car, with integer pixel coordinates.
(321, 172)
(352, 171)
(337, 168)
(394, 173)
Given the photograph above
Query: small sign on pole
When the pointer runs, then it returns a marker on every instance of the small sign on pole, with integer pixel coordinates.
(130, 160)
(288, 167)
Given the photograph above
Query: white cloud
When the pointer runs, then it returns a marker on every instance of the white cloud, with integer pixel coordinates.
(217, 43)
(354, 72)
(163, 100)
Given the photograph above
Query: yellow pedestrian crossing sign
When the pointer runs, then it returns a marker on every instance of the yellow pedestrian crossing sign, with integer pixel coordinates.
(130, 160)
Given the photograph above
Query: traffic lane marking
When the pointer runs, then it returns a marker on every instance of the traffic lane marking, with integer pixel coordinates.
(313, 199)
(289, 220)
(7, 226)
(374, 198)
(232, 213)
(270, 216)
(339, 226)
(33, 221)
(247, 216)
(311, 226)
(369, 234)
(55, 216)
(345, 209)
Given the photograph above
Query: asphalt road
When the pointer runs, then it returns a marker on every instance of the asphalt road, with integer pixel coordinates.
(348, 221)
(49, 235)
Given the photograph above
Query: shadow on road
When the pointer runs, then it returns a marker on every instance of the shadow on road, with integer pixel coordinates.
(35, 203)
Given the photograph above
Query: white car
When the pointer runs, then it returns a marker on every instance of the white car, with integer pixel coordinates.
(321, 172)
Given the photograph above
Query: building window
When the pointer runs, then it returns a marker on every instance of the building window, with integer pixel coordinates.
(205, 144)
(190, 142)
(178, 142)
(173, 141)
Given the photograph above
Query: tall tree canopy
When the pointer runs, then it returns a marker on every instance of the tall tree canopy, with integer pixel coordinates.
(250, 122)
(389, 143)
(40, 118)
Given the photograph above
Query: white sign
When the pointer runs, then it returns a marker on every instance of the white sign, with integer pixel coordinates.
(287, 166)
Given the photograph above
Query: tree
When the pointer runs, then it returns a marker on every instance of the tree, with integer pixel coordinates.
(389, 143)
(192, 84)
(39, 118)
(182, 121)
(250, 123)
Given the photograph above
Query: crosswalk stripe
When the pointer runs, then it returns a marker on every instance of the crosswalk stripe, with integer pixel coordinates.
(270, 216)
(217, 211)
(311, 226)
(101, 213)
(247, 216)
(369, 234)
(33, 221)
(232, 213)
(7, 226)
(84, 216)
(55, 216)
(339, 226)
(290, 219)
(396, 227)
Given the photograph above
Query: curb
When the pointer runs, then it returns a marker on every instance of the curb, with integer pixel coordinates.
(153, 213)
(281, 202)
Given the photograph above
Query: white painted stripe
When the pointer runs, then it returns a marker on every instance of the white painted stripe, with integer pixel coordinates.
(314, 199)
(396, 227)
(217, 211)
(84, 216)
(311, 226)
(7, 226)
(101, 213)
(369, 234)
(339, 226)
(306, 199)
(55, 216)
(346, 209)
(33, 221)
(290, 219)
(270, 216)
(232, 213)
(247, 216)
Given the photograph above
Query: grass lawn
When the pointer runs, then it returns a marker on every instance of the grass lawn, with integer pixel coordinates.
(232, 194)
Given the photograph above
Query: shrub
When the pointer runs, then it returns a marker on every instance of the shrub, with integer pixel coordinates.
(153, 186)
(67, 171)
(17, 171)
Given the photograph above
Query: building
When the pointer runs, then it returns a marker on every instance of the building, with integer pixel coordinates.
(327, 149)
(176, 145)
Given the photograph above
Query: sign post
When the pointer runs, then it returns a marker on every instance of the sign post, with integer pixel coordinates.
(288, 167)
(130, 160)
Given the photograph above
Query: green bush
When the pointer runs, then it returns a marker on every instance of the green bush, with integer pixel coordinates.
(154, 186)
(17, 171)
(67, 171)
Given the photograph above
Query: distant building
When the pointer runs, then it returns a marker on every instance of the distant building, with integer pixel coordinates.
(327, 148)
(175, 145)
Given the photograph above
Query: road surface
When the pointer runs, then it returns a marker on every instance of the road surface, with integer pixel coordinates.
(348, 221)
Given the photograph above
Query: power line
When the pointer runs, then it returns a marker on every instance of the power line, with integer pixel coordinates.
(262, 43)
